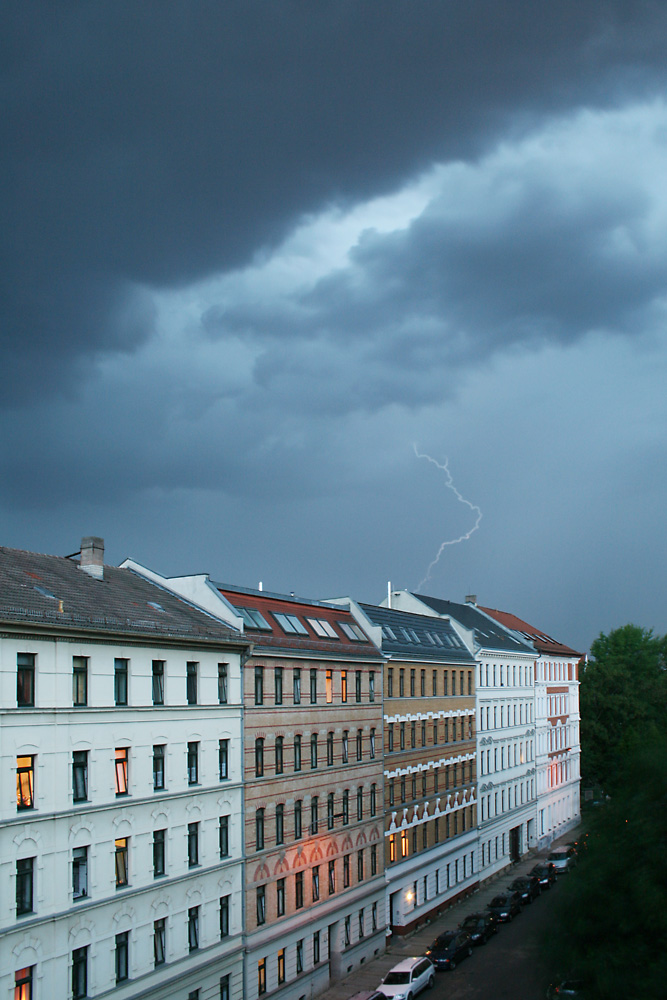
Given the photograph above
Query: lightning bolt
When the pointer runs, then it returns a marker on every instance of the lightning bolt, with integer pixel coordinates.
(450, 485)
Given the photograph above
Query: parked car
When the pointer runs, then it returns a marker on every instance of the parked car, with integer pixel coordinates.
(368, 995)
(563, 859)
(505, 906)
(408, 978)
(450, 948)
(567, 988)
(528, 887)
(480, 927)
(546, 873)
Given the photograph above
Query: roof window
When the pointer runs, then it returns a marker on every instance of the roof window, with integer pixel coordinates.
(252, 618)
(322, 627)
(290, 624)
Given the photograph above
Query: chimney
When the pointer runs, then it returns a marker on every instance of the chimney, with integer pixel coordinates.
(92, 557)
(471, 598)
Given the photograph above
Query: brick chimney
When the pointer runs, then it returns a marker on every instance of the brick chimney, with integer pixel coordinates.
(92, 557)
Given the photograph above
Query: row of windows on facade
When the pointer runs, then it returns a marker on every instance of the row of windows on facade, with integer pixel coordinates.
(510, 755)
(316, 948)
(556, 671)
(26, 768)
(460, 729)
(24, 979)
(506, 675)
(333, 885)
(453, 776)
(499, 716)
(437, 689)
(297, 751)
(336, 810)
(26, 867)
(410, 841)
(510, 798)
(443, 878)
(26, 681)
(279, 686)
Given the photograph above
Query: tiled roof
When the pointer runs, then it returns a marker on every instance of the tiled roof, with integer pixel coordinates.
(544, 643)
(34, 588)
(273, 636)
(417, 637)
(488, 634)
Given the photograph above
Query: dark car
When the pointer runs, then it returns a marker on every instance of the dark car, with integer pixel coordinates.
(568, 988)
(546, 873)
(505, 906)
(528, 887)
(449, 948)
(480, 927)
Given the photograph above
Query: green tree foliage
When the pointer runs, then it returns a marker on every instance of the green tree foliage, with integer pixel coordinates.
(623, 700)
(610, 925)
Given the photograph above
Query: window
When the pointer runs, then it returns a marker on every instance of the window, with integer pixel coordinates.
(296, 685)
(445, 675)
(330, 811)
(390, 682)
(290, 624)
(357, 685)
(361, 922)
(360, 744)
(314, 819)
(371, 686)
(313, 750)
(392, 848)
(315, 883)
(345, 755)
(346, 807)
(280, 897)
(191, 682)
(158, 682)
(193, 928)
(79, 973)
(159, 941)
(299, 956)
(121, 862)
(122, 950)
(297, 752)
(434, 690)
(25, 679)
(193, 763)
(193, 845)
(24, 886)
(298, 890)
(402, 733)
(373, 800)
(360, 802)
(390, 738)
(353, 632)
(413, 734)
(313, 686)
(259, 829)
(279, 744)
(347, 931)
(404, 843)
(79, 681)
(223, 759)
(372, 745)
(453, 682)
(422, 684)
(223, 836)
(80, 873)
(412, 682)
(374, 860)
(391, 791)
(224, 988)
(316, 947)
(23, 983)
(259, 685)
(159, 840)
(281, 966)
(360, 866)
(343, 685)
(329, 686)
(346, 871)
(261, 904)
(374, 917)
(224, 916)
(402, 788)
(122, 760)
(80, 776)
(223, 669)
(330, 749)
(280, 824)
(120, 674)
(158, 767)
(261, 976)
(298, 820)
(332, 877)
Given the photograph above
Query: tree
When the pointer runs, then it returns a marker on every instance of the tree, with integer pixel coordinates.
(623, 700)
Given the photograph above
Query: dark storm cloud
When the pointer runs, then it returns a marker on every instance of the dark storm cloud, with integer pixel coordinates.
(155, 143)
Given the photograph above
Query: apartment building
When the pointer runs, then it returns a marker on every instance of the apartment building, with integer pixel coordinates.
(121, 786)
(558, 750)
(315, 902)
(505, 707)
(429, 764)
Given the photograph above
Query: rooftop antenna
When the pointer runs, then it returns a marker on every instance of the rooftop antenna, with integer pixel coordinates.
(261, 586)
(389, 593)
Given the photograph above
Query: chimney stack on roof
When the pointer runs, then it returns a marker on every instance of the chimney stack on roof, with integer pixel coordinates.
(471, 599)
(92, 557)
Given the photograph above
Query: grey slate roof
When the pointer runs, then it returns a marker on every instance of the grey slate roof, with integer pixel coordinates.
(423, 627)
(489, 634)
(33, 585)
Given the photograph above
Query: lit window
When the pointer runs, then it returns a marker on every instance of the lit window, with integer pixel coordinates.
(121, 770)
(25, 782)
(121, 862)
(23, 983)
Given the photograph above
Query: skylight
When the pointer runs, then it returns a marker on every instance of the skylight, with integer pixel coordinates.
(44, 592)
(353, 632)
(290, 624)
(388, 633)
(322, 627)
(252, 618)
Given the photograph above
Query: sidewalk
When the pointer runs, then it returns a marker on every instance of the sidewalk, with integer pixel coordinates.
(369, 976)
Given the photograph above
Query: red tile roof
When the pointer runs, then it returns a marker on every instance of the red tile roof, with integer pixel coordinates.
(542, 642)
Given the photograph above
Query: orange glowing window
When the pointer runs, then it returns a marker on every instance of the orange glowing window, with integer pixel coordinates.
(25, 782)
(329, 687)
(343, 685)
(404, 843)
(121, 770)
(392, 847)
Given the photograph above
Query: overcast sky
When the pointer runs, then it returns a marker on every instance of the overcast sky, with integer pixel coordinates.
(259, 256)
